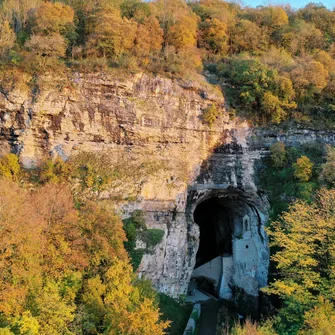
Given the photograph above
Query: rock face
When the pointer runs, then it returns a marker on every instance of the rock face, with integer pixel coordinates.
(149, 119)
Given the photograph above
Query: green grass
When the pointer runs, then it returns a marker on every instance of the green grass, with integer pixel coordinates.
(176, 312)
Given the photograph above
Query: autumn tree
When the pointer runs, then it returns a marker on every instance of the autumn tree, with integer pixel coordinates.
(309, 78)
(305, 257)
(110, 35)
(10, 167)
(319, 320)
(303, 168)
(183, 33)
(213, 36)
(16, 12)
(274, 17)
(259, 90)
(21, 242)
(321, 17)
(328, 168)
(247, 36)
(305, 37)
(135, 9)
(50, 18)
(7, 37)
(50, 25)
(149, 37)
(123, 309)
(46, 50)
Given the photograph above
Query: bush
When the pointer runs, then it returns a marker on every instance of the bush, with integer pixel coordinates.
(210, 115)
(10, 167)
(152, 237)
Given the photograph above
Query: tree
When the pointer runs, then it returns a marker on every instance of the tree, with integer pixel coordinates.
(308, 79)
(320, 320)
(274, 17)
(278, 154)
(46, 50)
(7, 37)
(303, 168)
(21, 245)
(304, 37)
(319, 15)
(149, 37)
(247, 36)
(258, 89)
(51, 18)
(110, 35)
(128, 312)
(55, 311)
(328, 169)
(272, 106)
(213, 36)
(135, 9)
(183, 34)
(16, 12)
(10, 167)
(305, 257)
(210, 115)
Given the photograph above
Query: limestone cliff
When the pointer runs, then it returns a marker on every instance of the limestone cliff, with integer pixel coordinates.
(154, 119)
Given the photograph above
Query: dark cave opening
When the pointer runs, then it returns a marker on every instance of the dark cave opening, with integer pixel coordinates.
(215, 220)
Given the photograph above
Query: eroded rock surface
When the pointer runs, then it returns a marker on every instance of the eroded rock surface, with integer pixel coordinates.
(151, 119)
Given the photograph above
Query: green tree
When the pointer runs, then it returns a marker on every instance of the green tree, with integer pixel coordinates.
(258, 89)
(278, 154)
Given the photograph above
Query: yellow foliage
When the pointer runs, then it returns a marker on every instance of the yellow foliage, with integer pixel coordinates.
(305, 239)
(183, 34)
(50, 18)
(149, 37)
(128, 312)
(320, 320)
(303, 168)
(10, 167)
(110, 34)
(7, 36)
(213, 36)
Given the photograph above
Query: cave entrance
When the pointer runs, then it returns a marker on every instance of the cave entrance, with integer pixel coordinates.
(214, 266)
(215, 220)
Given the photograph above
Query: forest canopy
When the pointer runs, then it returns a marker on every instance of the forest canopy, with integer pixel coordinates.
(274, 63)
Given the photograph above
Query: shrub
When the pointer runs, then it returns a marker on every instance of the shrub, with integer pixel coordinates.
(152, 237)
(210, 115)
(10, 166)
